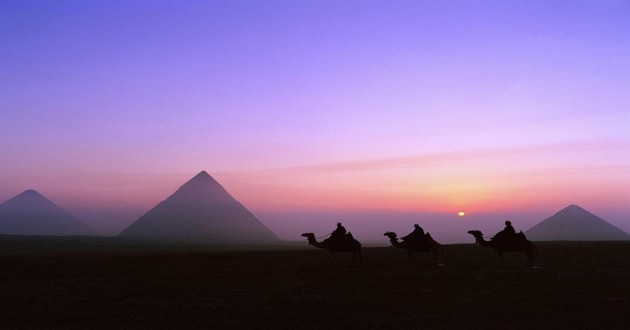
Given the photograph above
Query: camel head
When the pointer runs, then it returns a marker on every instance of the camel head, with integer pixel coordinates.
(391, 235)
(309, 236)
(477, 234)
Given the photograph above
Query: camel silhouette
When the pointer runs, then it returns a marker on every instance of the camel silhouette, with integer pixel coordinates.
(347, 244)
(522, 245)
(425, 244)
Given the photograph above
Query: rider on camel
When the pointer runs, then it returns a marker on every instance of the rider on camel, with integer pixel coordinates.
(339, 233)
(416, 234)
(508, 233)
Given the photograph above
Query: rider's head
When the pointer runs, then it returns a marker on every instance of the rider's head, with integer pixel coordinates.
(338, 224)
(416, 226)
(508, 223)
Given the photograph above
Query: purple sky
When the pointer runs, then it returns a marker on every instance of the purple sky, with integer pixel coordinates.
(310, 112)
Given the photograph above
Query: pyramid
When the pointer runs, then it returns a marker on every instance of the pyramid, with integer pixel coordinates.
(200, 209)
(30, 213)
(574, 223)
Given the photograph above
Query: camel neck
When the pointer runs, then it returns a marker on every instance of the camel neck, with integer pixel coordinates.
(394, 241)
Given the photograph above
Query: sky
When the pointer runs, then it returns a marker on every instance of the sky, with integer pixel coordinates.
(379, 114)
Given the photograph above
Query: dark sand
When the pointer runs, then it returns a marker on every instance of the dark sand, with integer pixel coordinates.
(85, 282)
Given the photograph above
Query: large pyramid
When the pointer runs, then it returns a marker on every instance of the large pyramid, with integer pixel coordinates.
(574, 223)
(30, 213)
(200, 209)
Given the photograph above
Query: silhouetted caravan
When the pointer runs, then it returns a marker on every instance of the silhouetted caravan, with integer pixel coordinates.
(500, 245)
(424, 243)
(347, 243)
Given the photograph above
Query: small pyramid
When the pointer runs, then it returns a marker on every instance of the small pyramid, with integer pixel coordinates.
(30, 213)
(200, 209)
(574, 223)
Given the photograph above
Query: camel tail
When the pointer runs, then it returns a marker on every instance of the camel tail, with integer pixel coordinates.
(533, 246)
(437, 247)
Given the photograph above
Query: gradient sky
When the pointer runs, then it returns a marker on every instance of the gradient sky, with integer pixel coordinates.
(310, 112)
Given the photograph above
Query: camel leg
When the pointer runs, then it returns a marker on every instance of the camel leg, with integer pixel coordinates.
(436, 252)
(531, 251)
(501, 258)
(530, 258)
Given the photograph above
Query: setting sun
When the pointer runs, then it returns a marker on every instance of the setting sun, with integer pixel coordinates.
(461, 213)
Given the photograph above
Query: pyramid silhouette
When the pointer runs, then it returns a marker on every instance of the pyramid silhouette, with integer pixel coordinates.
(574, 223)
(200, 209)
(30, 213)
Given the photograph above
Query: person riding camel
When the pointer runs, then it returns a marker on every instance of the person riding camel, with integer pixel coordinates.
(339, 233)
(416, 234)
(508, 233)
(508, 228)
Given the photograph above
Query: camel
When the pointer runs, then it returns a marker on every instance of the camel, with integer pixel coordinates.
(428, 244)
(349, 244)
(500, 246)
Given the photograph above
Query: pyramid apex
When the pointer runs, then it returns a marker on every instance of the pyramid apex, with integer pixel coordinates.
(203, 175)
(29, 196)
(202, 181)
(30, 191)
(574, 208)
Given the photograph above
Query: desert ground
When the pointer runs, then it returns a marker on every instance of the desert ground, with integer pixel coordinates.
(90, 282)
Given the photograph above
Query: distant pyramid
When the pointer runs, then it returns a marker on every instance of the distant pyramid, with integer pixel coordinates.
(30, 213)
(574, 223)
(200, 209)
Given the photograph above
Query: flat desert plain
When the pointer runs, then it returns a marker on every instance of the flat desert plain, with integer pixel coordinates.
(89, 282)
